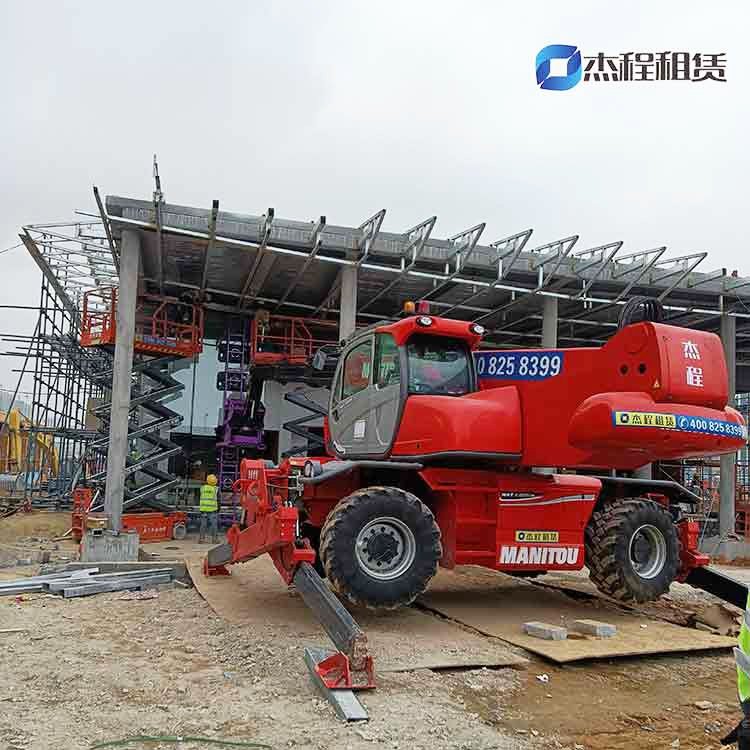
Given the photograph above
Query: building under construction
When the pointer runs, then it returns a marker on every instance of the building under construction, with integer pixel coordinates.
(228, 310)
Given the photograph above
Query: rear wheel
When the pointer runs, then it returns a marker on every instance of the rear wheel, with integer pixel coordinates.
(380, 546)
(632, 550)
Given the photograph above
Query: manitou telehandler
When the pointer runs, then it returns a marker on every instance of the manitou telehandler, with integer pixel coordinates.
(441, 453)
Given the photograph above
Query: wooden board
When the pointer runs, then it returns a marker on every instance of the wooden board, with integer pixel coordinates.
(498, 605)
(404, 640)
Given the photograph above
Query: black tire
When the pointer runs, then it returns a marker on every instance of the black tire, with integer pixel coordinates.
(632, 550)
(354, 571)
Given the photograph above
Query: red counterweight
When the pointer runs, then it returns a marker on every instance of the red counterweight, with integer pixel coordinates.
(653, 391)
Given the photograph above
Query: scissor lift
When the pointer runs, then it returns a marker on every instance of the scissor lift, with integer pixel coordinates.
(166, 330)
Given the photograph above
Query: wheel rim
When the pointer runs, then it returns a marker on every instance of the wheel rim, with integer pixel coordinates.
(648, 551)
(385, 548)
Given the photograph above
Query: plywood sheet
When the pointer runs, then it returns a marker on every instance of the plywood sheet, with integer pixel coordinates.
(404, 640)
(498, 605)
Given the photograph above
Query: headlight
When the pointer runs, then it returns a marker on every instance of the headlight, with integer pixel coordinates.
(424, 320)
(477, 330)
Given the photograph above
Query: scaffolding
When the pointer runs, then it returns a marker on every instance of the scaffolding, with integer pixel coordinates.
(68, 381)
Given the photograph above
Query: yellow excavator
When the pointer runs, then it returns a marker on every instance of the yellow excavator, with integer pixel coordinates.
(14, 446)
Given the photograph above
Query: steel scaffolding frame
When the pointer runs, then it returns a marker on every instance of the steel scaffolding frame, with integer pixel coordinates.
(67, 379)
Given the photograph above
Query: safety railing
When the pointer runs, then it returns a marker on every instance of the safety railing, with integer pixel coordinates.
(276, 339)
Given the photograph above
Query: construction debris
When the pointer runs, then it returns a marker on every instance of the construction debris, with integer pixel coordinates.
(86, 582)
(545, 631)
(595, 628)
(718, 618)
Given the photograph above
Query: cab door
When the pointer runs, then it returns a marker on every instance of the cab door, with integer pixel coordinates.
(350, 413)
(387, 395)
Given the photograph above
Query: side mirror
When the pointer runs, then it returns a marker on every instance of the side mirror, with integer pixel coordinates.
(325, 358)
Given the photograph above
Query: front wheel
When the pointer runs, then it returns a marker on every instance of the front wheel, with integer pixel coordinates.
(380, 546)
(632, 550)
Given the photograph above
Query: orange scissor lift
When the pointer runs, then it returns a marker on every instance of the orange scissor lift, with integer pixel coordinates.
(166, 329)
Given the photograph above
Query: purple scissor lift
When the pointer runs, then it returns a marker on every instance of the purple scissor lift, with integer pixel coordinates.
(240, 432)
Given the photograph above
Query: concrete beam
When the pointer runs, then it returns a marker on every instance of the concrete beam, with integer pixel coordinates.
(348, 301)
(130, 258)
(549, 322)
(728, 331)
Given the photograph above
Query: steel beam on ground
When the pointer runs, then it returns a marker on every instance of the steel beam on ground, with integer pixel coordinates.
(122, 377)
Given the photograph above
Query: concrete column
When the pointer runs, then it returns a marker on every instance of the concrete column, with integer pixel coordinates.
(348, 301)
(549, 322)
(130, 257)
(728, 462)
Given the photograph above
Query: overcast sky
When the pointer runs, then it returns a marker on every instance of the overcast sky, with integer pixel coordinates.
(343, 108)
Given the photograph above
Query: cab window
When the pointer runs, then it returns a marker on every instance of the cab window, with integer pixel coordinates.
(357, 369)
(387, 365)
(438, 365)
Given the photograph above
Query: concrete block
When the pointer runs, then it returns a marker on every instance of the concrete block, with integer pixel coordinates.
(594, 627)
(545, 631)
(106, 546)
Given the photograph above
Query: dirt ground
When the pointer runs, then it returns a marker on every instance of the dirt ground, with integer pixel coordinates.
(110, 666)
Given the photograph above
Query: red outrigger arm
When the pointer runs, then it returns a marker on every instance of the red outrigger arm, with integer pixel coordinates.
(271, 526)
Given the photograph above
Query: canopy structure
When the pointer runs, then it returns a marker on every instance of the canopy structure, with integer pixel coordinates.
(295, 267)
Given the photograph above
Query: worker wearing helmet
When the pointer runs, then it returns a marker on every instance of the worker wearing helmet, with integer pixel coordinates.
(209, 509)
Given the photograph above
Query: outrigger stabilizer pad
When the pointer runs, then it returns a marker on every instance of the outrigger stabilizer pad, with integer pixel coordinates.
(216, 559)
(336, 674)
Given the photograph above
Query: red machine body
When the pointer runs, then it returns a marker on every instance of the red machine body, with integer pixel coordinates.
(653, 391)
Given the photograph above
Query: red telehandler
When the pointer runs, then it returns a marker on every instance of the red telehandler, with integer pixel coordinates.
(441, 453)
